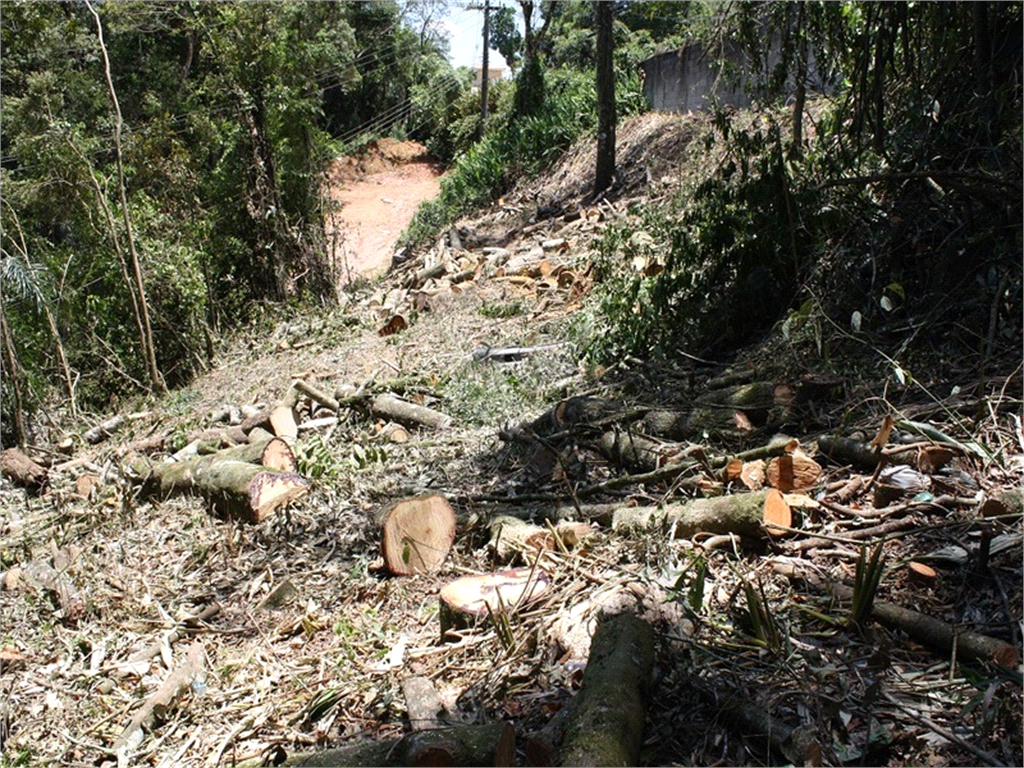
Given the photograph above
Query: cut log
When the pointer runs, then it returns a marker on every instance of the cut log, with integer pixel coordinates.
(605, 724)
(578, 410)
(777, 512)
(14, 464)
(765, 405)
(315, 394)
(846, 450)
(742, 514)
(794, 471)
(512, 536)
(464, 745)
(102, 431)
(467, 600)
(392, 407)
(921, 573)
(416, 534)
(284, 422)
(637, 452)
(237, 488)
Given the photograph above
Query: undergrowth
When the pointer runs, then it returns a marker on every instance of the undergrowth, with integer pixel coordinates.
(511, 149)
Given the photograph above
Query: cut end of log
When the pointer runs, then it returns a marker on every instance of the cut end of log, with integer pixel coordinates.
(417, 534)
(278, 455)
(1007, 656)
(470, 598)
(270, 490)
(921, 572)
(776, 512)
(284, 422)
(795, 471)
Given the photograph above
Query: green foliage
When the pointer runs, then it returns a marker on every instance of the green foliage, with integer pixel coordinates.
(865, 584)
(512, 149)
(733, 255)
(229, 111)
(761, 620)
(505, 37)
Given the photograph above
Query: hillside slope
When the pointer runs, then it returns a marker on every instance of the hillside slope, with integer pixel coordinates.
(755, 663)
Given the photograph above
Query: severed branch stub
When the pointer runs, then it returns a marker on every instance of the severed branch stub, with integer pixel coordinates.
(416, 534)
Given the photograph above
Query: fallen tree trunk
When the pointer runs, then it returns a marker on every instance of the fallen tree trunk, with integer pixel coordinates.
(464, 745)
(22, 470)
(637, 452)
(743, 514)
(846, 450)
(101, 432)
(408, 413)
(605, 724)
(237, 488)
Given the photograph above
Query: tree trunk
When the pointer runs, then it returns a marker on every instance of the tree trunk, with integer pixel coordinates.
(11, 364)
(605, 725)
(604, 19)
(156, 379)
(801, 80)
(238, 488)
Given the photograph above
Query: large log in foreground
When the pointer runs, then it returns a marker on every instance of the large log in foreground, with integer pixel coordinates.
(465, 745)
(605, 723)
(237, 488)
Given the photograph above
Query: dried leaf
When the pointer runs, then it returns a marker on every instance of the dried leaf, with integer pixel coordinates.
(883, 433)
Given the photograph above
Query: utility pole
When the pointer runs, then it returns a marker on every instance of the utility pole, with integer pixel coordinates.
(485, 80)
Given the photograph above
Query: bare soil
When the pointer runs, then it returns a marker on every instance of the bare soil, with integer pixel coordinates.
(376, 194)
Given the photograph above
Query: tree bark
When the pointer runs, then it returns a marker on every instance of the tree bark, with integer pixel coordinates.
(605, 725)
(238, 488)
(409, 413)
(604, 18)
(742, 514)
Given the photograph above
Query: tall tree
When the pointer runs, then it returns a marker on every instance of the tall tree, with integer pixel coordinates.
(530, 82)
(156, 379)
(604, 17)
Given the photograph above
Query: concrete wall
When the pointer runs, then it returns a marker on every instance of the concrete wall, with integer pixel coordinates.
(686, 80)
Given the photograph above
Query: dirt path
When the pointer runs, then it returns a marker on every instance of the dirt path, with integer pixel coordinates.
(378, 195)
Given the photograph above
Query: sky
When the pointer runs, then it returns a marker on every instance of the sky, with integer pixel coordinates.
(466, 30)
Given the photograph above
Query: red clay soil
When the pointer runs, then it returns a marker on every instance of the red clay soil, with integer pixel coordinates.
(378, 192)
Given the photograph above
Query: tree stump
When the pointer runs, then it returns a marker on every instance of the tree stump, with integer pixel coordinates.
(471, 598)
(416, 534)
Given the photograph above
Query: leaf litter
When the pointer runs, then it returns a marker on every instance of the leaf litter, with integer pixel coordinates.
(322, 663)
